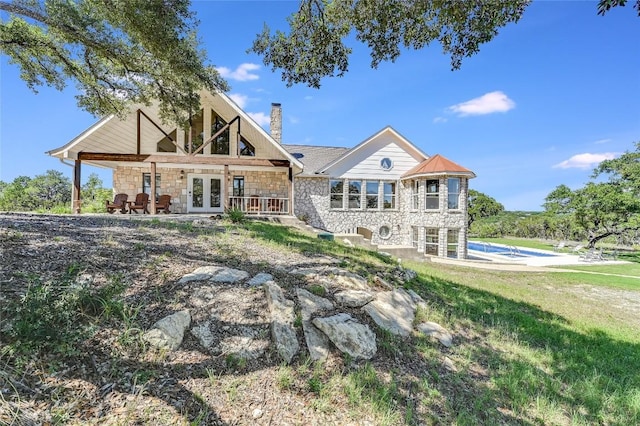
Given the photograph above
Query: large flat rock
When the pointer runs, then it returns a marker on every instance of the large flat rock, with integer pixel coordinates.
(349, 336)
(393, 311)
(283, 332)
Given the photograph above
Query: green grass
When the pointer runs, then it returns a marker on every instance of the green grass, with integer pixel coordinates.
(632, 270)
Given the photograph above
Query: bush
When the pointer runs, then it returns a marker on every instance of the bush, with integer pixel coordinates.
(236, 215)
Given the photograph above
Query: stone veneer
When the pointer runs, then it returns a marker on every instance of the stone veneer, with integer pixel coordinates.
(173, 182)
(312, 204)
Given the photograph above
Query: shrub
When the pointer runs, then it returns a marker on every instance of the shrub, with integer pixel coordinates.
(236, 215)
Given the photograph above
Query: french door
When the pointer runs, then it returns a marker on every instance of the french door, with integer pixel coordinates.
(204, 194)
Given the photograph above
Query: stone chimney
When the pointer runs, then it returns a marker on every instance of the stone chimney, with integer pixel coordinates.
(276, 122)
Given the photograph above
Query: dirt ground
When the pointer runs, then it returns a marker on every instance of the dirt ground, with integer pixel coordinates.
(113, 378)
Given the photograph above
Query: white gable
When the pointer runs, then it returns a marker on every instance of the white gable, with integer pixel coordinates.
(364, 161)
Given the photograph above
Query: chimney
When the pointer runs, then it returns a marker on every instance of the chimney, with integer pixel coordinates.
(276, 122)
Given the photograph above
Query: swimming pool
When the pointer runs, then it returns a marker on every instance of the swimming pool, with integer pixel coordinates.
(505, 250)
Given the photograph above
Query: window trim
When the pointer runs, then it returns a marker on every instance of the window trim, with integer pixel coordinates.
(455, 244)
(336, 194)
(146, 189)
(394, 195)
(428, 196)
(457, 194)
(431, 243)
(240, 187)
(354, 196)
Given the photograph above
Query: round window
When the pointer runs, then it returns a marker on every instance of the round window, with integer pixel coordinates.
(386, 163)
(384, 231)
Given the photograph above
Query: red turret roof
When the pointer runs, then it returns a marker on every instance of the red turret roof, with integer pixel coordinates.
(438, 165)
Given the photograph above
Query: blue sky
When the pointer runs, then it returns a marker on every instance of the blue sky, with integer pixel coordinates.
(538, 106)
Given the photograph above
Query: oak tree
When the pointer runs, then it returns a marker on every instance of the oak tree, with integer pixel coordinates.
(117, 52)
(314, 46)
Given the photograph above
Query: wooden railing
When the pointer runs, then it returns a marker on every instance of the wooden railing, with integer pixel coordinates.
(260, 205)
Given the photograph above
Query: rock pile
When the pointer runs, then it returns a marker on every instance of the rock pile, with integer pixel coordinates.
(321, 311)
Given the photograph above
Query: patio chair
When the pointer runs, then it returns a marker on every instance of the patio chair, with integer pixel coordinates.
(559, 246)
(577, 249)
(254, 204)
(274, 205)
(119, 203)
(141, 202)
(164, 204)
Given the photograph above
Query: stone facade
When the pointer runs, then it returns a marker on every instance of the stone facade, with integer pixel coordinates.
(173, 181)
(312, 204)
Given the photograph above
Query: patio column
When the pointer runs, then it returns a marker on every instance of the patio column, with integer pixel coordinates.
(290, 188)
(225, 188)
(152, 196)
(75, 207)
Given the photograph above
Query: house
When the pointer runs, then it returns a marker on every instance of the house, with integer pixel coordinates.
(388, 190)
(385, 188)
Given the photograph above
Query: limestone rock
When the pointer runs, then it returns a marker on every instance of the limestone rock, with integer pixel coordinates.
(169, 331)
(310, 303)
(203, 273)
(437, 331)
(393, 311)
(218, 274)
(347, 242)
(203, 334)
(229, 275)
(317, 342)
(354, 298)
(282, 316)
(351, 337)
(259, 279)
(417, 299)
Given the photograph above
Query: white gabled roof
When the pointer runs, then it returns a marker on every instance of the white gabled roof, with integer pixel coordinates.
(113, 135)
(404, 142)
(67, 147)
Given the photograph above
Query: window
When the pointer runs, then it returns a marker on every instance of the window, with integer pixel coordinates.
(238, 186)
(452, 243)
(431, 241)
(166, 144)
(389, 195)
(146, 184)
(414, 237)
(415, 194)
(219, 145)
(355, 189)
(336, 194)
(197, 134)
(246, 149)
(432, 195)
(386, 163)
(384, 231)
(453, 185)
(372, 194)
(216, 192)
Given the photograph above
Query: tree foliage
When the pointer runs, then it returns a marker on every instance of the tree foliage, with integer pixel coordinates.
(118, 52)
(41, 192)
(607, 208)
(315, 47)
(481, 205)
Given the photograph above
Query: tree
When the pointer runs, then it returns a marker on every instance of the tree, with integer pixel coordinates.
(41, 192)
(604, 209)
(314, 47)
(481, 205)
(118, 52)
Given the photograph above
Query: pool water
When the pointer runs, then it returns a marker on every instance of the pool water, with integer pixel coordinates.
(505, 250)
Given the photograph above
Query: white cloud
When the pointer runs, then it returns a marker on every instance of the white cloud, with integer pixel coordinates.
(260, 117)
(439, 120)
(239, 99)
(293, 119)
(602, 141)
(486, 104)
(242, 73)
(308, 98)
(585, 160)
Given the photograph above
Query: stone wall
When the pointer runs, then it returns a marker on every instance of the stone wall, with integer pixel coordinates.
(312, 205)
(173, 182)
